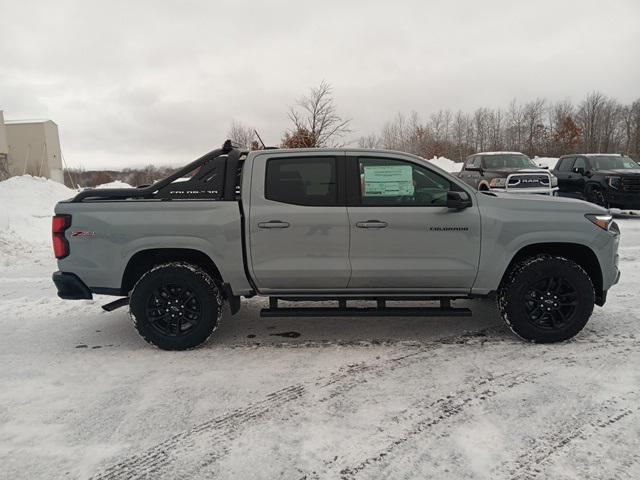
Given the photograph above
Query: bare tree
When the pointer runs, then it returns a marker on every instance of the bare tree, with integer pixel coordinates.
(588, 120)
(242, 135)
(316, 114)
(534, 127)
(515, 128)
(370, 141)
(480, 125)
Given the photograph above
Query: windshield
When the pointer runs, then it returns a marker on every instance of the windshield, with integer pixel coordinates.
(490, 162)
(612, 163)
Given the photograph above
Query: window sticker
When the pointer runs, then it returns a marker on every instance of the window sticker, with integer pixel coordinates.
(388, 181)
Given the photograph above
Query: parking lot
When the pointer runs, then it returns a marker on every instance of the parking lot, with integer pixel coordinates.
(82, 396)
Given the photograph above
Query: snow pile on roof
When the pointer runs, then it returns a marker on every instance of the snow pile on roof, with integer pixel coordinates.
(545, 161)
(114, 184)
(446, 164)
(25, 217)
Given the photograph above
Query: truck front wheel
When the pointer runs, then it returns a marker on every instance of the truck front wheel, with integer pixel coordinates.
(546, 299)
(176, 306)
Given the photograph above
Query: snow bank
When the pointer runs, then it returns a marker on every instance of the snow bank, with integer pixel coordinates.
(545, 161)
(115, 184)
(25, 215)
(446, 164)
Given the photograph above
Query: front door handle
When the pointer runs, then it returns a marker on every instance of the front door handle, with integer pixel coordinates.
(273, 224)
(371, 224)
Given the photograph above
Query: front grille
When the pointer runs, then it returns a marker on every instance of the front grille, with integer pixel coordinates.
(528, 180)
(631, 184)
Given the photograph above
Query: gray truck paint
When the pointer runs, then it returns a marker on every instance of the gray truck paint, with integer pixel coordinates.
(423, 250)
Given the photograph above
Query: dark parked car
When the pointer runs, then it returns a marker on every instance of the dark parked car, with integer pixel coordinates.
(605, 179)
(507, 172)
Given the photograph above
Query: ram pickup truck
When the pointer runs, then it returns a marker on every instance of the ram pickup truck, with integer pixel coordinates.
(331, 225)
(507, 172)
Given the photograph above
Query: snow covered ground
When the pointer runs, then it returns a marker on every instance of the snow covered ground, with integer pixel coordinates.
(82, 396)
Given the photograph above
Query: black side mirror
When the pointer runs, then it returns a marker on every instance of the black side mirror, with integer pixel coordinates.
(458, 200)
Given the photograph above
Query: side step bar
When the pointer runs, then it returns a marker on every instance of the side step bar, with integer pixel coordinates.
(381, 310)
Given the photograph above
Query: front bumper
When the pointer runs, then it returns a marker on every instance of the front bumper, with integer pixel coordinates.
(536, 190)
(623, 200)
(70, 287)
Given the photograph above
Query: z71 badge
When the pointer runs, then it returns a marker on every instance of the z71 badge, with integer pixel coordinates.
(81, 234)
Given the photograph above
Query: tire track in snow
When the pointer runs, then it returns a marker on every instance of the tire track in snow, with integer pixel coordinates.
(209, 439)
(146, 465)
(448, 407)
(208, 442)
(425, 415)
(530, 463)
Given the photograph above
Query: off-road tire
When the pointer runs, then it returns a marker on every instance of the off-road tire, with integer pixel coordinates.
(595, 195)
(517, 307)
(183, 280)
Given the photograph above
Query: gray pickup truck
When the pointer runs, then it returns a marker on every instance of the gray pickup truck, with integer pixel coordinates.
(338, 225)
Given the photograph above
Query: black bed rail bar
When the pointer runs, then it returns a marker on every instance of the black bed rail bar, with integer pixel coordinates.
(147, 192)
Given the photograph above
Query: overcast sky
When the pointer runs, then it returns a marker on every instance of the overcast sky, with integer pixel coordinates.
(137, 82)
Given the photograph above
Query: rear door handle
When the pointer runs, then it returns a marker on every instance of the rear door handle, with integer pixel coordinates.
(273, 224)
(371, 224)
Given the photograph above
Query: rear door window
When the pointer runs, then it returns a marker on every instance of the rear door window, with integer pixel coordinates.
(302, 181)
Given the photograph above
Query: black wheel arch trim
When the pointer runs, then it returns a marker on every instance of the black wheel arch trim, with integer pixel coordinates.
(581, 254)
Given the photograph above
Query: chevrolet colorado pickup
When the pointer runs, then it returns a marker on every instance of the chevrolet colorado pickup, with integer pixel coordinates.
(331, 225)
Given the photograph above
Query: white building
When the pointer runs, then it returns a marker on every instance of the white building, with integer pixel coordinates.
(31, 147)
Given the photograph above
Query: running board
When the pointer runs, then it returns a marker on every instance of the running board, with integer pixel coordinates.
(121, 302)
(381, 310)
(365, 312)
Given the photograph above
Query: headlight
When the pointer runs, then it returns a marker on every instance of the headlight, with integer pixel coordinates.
(554, 181)
(498, 182)
(602, 221)
(614, 182)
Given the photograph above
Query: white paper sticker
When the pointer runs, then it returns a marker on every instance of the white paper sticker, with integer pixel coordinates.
(388, 181)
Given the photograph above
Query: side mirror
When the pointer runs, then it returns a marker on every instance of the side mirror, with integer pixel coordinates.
(458, 200)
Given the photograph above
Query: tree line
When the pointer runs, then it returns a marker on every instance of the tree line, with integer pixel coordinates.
(597, 124)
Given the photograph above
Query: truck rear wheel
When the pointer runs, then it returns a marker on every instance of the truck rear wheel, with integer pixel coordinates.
(176, 306)
(546, 299)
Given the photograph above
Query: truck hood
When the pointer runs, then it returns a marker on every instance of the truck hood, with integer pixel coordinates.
(623, 172)
(509, 171)
(545, 203)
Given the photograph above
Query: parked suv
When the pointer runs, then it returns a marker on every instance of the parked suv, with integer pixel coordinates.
(604, 179)
(507, 172)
